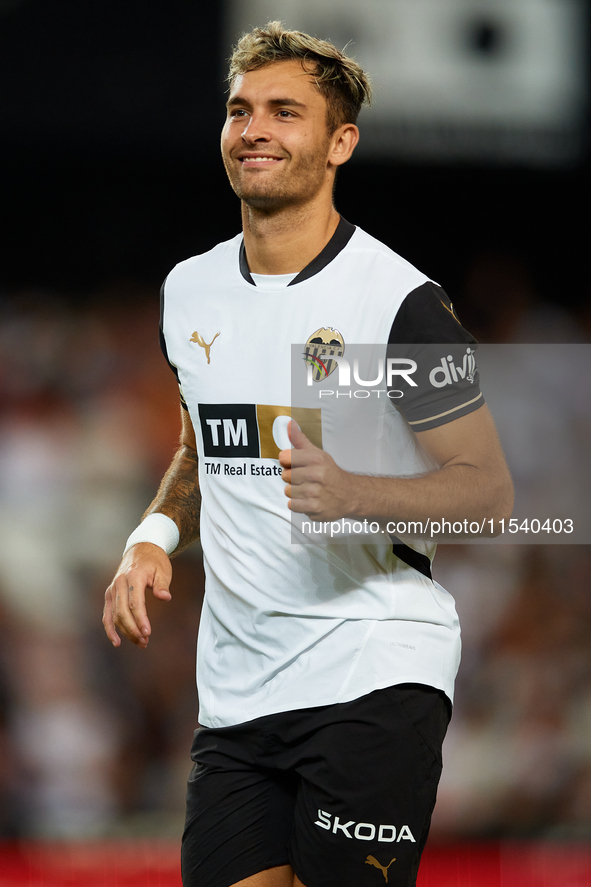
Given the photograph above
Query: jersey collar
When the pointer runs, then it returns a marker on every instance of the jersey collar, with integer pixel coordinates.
(337, 242)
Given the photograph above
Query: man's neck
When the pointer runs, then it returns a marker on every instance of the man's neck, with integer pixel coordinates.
(286, 241)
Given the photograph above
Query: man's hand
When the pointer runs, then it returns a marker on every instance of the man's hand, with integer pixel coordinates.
(315, 484)
(143, 566)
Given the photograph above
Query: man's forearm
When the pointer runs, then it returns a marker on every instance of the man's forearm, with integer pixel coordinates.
(179, 498)
(454, 493)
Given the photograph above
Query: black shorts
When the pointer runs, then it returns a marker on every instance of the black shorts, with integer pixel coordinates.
(344, 793)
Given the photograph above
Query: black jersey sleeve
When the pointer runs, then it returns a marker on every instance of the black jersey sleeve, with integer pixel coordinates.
(164, 348)
(438, 380)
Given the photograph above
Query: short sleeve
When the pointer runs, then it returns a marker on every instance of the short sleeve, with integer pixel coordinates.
(164, 348)
(433, 375)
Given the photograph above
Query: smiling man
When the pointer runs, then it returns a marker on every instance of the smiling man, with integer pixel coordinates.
(276, 145)
(325, 672)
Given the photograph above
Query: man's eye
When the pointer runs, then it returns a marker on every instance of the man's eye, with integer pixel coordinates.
(285, 114)
(238, 112)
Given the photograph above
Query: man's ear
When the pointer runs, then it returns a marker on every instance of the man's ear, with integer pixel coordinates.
(343, 142)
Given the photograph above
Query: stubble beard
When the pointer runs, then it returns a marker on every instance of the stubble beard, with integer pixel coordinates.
(297, 186)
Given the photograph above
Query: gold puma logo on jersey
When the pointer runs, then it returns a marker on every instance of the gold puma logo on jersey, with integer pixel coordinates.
(199, 340)
(371, 860)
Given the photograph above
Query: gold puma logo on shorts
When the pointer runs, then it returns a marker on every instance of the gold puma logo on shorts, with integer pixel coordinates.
(371, 860)
(199, 340)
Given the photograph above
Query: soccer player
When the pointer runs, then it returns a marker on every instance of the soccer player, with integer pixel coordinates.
(325, 671)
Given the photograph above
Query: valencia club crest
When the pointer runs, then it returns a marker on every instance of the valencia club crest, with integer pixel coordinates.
(320, 346)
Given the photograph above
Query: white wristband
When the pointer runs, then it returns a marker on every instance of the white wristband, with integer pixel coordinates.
(159, 530)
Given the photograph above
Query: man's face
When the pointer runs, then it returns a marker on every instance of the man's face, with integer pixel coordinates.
(275, 142)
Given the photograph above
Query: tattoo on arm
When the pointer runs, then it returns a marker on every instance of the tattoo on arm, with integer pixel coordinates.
(178, 496)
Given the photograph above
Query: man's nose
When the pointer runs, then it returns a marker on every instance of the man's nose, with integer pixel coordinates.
(256, 129)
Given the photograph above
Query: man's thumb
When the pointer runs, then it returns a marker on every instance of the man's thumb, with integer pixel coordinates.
(299, 441)
(160, 587)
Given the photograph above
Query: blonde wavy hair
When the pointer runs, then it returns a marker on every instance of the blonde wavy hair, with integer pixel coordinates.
(344, 84)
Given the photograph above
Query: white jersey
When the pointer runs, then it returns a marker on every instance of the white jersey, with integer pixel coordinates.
(284, 625)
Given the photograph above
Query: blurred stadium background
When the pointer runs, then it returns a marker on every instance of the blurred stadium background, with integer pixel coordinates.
(474, 167)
